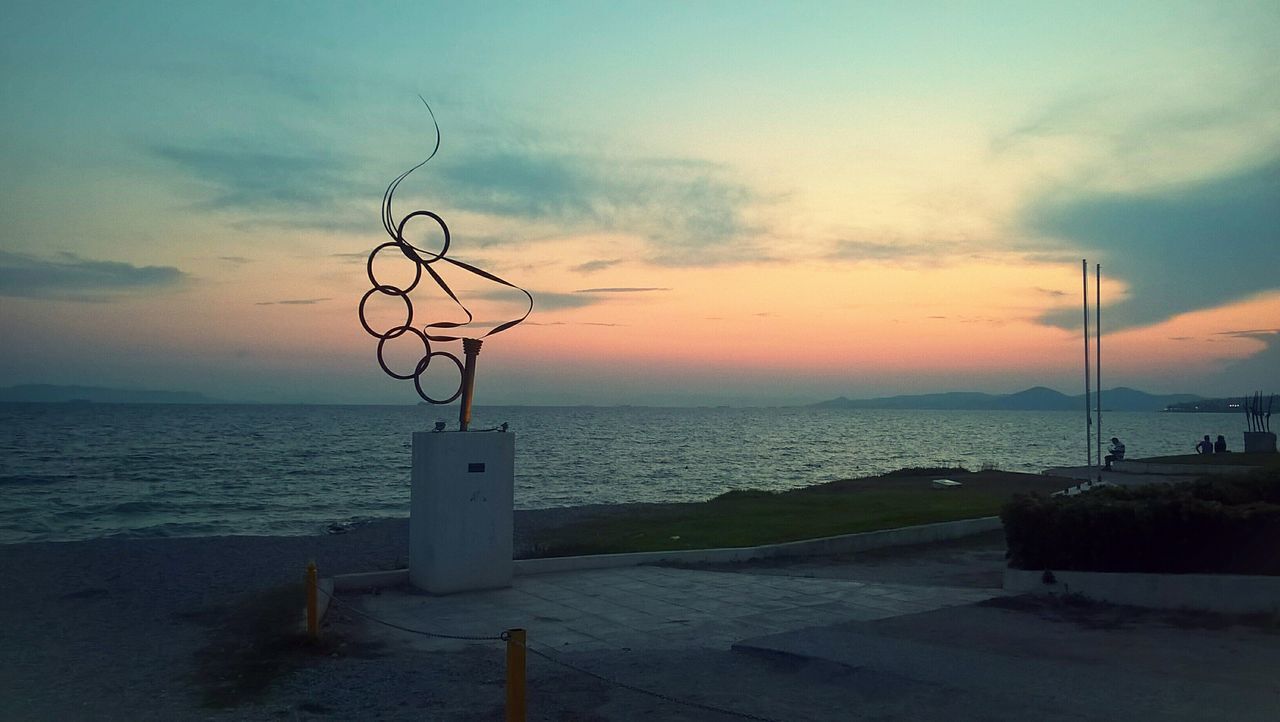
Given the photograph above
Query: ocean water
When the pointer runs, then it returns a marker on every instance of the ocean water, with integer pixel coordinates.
(71, 472)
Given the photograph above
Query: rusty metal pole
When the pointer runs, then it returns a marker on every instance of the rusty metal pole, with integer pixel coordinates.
(470, 350)
(313, 603)
(516, 701)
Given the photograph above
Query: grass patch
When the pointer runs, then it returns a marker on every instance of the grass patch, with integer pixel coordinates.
(750, 517)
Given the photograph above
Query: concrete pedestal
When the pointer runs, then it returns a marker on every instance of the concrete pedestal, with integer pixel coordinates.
(1260, 442)
(461, 511)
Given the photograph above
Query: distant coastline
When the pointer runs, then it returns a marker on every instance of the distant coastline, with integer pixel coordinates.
(1208, 406)
(55, 394)
(1038, 398)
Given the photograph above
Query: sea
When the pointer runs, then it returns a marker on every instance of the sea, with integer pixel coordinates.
(84, 471)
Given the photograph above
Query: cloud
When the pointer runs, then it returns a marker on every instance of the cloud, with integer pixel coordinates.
(1124, 129)
(361, 256)
(593, 266)
(1257, 371)
(235, 260)
(280, 186)
(70, 277)
(293, 302)
(686, 209)
(691, 212)
(622, 289)
(242, 176)
(1260, 333)
(542, 300)
(1179, 249)
(1121, 127)
(578, 323)
(907, 253)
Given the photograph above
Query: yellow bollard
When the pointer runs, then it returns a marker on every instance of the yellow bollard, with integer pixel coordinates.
(515, 675)
(313, 607)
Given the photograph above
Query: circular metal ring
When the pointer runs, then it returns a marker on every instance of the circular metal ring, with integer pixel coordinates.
(409, 246)
(422, 366)
(388, 288)
(395, 333)
(398, 330)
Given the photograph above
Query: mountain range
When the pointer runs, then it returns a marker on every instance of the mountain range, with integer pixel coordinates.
(1038, 398)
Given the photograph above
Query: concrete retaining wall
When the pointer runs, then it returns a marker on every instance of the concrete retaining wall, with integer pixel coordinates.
(1224, 593)
(1143, 467)
(843, 544)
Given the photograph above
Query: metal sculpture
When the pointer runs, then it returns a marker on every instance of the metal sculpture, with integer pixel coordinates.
(1259, 420)
(423, 261)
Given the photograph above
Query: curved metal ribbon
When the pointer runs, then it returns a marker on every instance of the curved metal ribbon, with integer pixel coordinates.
(423, 260)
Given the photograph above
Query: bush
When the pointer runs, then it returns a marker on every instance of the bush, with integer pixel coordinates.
(1225, 526)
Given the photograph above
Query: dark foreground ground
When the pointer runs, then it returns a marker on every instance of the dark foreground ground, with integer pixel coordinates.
(191, 629)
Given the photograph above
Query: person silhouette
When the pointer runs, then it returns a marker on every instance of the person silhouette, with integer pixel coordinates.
(1117, 452)
(1220, 446)
(1204, 447)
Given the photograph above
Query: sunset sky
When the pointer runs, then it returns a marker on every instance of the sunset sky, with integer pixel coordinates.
(711, 202)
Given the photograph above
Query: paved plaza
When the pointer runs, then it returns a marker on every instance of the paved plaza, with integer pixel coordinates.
(652, 608)
(910, 633)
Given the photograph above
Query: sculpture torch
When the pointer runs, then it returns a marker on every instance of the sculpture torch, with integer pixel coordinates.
(431, 264)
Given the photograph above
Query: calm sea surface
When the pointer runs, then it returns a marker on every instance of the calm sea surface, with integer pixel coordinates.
(84, 471)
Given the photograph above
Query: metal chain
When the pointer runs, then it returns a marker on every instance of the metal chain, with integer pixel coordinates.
(650, 693)
(497, 638)
(504, 637)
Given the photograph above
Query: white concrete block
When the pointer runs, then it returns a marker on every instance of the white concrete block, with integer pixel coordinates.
(461, 508)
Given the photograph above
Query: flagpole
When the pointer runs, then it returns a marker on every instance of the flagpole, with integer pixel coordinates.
(1097, 346)
(1088, 420)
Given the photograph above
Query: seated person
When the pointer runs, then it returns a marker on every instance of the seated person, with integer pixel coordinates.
(1205, 446)
(1220, 446)
(1117, 452)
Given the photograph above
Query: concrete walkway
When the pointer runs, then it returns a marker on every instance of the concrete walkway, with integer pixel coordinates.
(1120, 478)
(649, 608)
(1031, 659)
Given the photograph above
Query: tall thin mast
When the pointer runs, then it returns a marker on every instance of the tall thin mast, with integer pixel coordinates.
(1088, 420)
(1097, 347)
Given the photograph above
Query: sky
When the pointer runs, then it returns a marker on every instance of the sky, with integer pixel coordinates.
(711, 202)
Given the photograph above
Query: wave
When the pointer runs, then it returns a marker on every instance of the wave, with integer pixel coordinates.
(34, 479)
(137, 507)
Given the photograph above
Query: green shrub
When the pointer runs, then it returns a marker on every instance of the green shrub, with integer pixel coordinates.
(1262, 486)
(1226, 526)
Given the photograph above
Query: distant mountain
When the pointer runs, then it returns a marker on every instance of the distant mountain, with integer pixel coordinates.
(1038, 398)
(49, 393)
